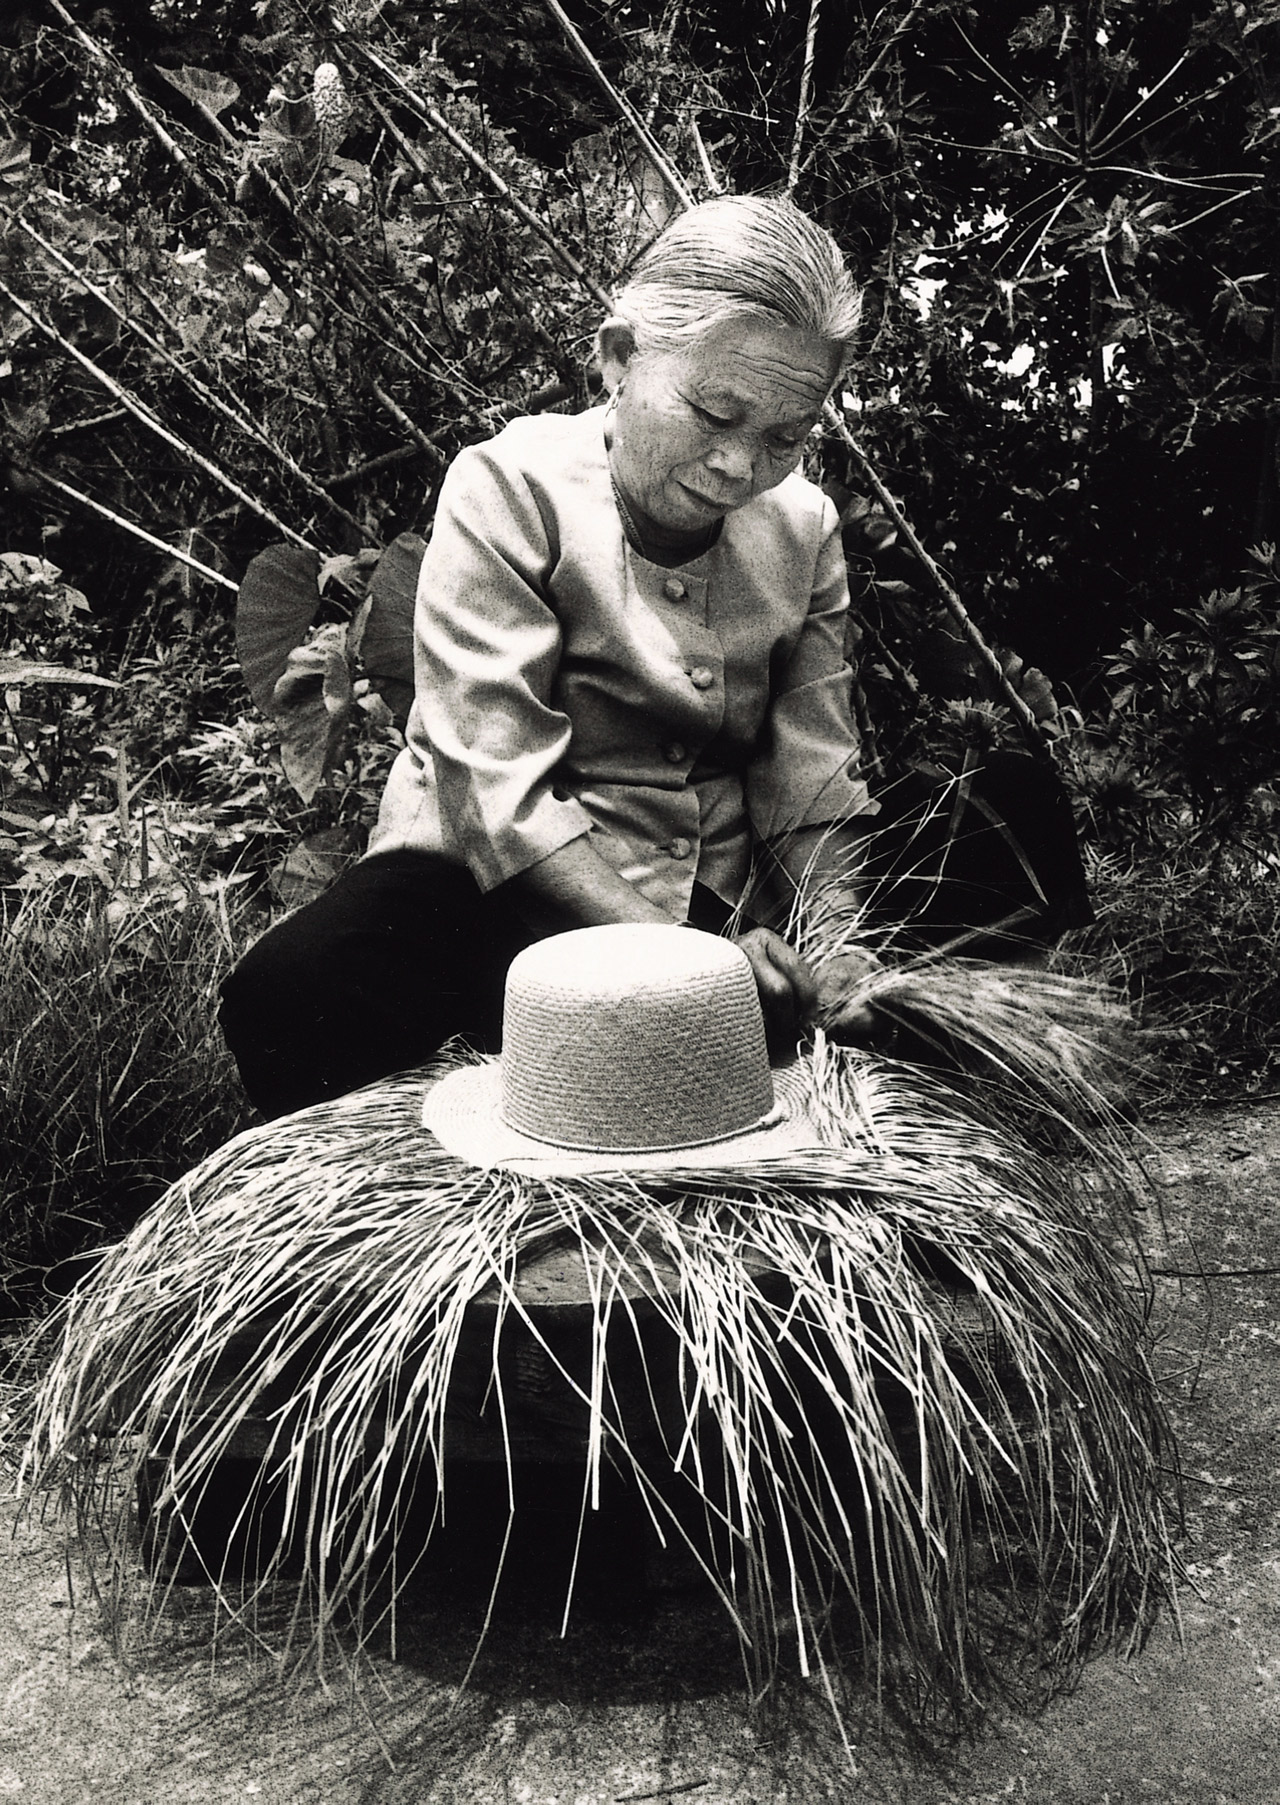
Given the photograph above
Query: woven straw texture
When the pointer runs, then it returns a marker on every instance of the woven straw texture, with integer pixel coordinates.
(633, 1039)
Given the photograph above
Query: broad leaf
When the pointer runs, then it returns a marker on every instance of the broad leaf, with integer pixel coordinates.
(311, 703)
(349, 570)
(278, 601)
(83, 226)
(311, 866)
(215, 93)
(386, 646)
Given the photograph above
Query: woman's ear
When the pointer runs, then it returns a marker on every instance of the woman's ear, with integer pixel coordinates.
(615, 347)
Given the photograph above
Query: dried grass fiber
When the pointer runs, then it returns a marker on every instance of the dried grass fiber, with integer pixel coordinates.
(928, 1432)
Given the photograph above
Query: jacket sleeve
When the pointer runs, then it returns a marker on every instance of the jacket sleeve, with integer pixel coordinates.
(807, 771)
(487, 646)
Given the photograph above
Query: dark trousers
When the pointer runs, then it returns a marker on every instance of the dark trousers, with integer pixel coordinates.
(399, 955)
(404, 951)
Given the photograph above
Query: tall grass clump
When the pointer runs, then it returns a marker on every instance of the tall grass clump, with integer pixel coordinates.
(114, 1075)
(1194, 941)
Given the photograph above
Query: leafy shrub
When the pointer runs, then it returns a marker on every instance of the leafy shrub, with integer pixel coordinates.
(1195, 941)
(1187, 749)
(1177, 778)
(51, 681)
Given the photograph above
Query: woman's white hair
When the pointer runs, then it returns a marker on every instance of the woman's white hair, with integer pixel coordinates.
(738, 255)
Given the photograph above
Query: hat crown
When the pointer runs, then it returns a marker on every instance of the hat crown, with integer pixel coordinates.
(633, 1038)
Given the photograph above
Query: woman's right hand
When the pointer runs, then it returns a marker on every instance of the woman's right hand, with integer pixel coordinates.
(787, 987)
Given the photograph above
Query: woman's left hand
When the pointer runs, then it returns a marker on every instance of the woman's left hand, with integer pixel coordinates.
(842, 1008)
(787, 987)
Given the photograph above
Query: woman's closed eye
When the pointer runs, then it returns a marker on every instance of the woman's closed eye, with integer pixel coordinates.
(778, 445)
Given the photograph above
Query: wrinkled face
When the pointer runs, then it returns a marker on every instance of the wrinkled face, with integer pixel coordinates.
(701, 430)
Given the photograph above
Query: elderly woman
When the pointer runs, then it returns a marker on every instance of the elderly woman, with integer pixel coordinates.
(631, 681)
(632, 696)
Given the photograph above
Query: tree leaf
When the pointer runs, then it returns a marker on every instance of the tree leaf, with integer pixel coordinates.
(14, 671)
(386, 647)
(203, 86)
(15, 157)
(277, 603)
(310, 704)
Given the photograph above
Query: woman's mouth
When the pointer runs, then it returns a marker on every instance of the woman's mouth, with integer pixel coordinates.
(705, 502)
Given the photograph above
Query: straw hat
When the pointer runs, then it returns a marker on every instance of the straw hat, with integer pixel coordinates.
(629, 1047)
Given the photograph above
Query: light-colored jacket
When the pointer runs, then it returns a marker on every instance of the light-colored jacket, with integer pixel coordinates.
(567, 686)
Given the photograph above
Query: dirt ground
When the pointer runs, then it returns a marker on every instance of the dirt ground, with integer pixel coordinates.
(651, 1706)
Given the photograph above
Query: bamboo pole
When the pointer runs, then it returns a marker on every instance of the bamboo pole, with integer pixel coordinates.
(949, 596)
(406, 424)
(209, 396)
(898, 32)
(417, 162)
(148, 419)
(131, 526)
(644, 137)
(324, 243)
(131, 94)
(371, 466)
(806, 93)
(709, 175)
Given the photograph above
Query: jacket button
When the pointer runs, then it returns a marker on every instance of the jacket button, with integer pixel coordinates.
(680, 848)
(673, 752)
(701, 677)
(673, 589)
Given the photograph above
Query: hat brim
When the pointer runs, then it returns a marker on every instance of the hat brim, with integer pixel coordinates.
(463, 1111)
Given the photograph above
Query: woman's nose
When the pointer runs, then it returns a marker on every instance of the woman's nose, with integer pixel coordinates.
(732, 459)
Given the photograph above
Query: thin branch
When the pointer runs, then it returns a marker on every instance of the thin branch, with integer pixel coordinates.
(403, 421)
(418, 163)
(209, 396)
(666, 33)
(105, 60)
(949, 596)
(1119, 68)
(131, 526)
(1182, 181)
(452, 135)
(325, 244)
(1136, 108)
(1072, 194)
(148, 419)
(1003, 81)
(859, 87)
(644, 137)
(806, 92)
(87, 425)
(1106, 264)
(1226, 201)
(371, 465)
(1149, 125)
(446, 375)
